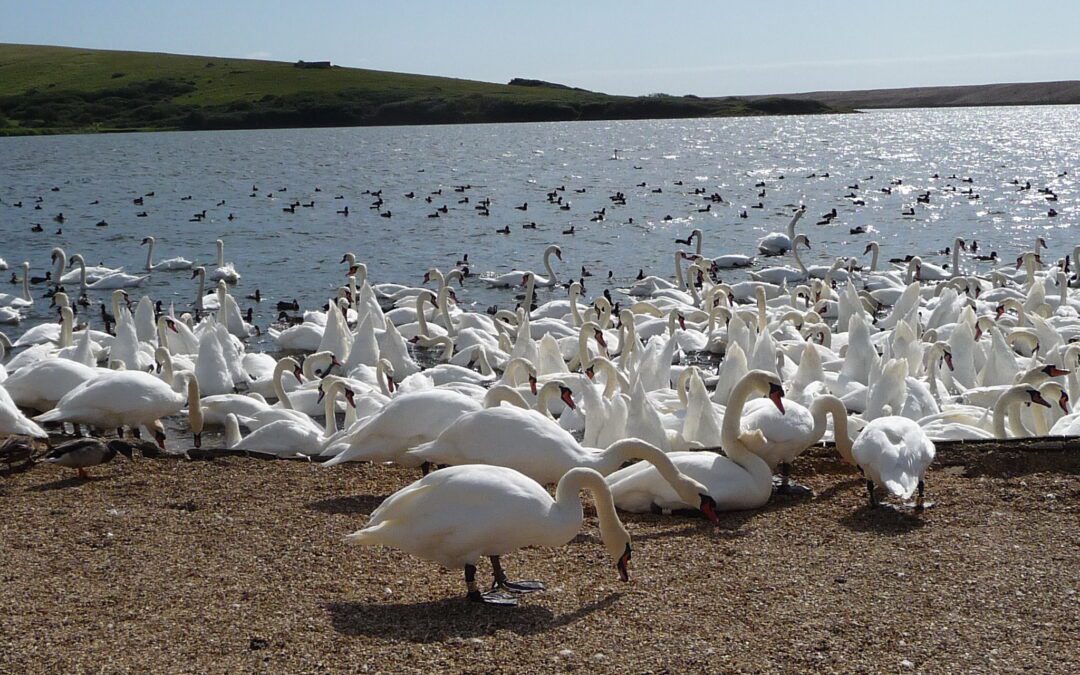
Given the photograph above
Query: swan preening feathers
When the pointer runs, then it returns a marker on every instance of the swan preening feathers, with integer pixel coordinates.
(604, 396)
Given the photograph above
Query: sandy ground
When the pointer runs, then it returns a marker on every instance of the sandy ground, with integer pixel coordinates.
(236, 565)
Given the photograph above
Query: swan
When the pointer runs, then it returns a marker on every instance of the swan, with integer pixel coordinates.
(11, 301)
(170, 264)
(649, 285)
(516, 277)
(13, 421)
(112, 400)
(894, 452)
(789, 428)
(777, 275)
(93, 273)
(223, 271)
(741, 480)
(111, 281)
(778, 243)
(82, 453)
(42, 384)
(455, 516)
(733, 261)
(405, 422)
(287, 438)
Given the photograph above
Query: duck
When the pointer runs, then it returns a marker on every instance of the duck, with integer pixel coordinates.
(83, 453)
(457, 515)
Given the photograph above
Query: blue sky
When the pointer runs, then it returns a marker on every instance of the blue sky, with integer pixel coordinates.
(617, 46)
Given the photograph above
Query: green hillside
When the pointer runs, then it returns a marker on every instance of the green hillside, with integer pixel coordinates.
(65, 90)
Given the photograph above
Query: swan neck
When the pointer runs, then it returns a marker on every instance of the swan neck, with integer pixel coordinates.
(678, 271)
(330, 407)
(502, 393)
(232, 431)
(195, 412)
(279, 388)
(568, 500)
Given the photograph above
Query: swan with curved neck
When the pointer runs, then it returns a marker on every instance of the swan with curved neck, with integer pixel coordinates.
(552, 278)
(433, 519)
(170, 264)
(739, 480)
(790, 433)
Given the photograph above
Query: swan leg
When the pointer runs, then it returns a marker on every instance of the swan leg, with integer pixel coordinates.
(83, 474)
(425, 469)
(512, 586)
(488, 598)
(919, 503)
(870, 493)
(135, 432)
(787, 487)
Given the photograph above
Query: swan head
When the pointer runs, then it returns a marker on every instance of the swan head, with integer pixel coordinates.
(776, 395)
(198, 271)
(158, 430)
(1054, 371)
(146, 240)
(565, 395)
(1034, 396)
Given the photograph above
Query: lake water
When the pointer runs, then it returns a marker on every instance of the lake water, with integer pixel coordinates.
(296, 255)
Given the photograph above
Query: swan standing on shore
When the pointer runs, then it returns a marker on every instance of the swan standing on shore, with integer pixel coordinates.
(457, 515)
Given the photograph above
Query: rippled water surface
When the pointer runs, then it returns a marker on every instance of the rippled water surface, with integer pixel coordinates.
(296, 255)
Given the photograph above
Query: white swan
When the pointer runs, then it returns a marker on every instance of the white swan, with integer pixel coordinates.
(741, 480)
(778, 243)
(517, 277)
(894, 452)
(13, 421)
(222, 270)
(457, 515)
(170, 264)
(93, 273)
(111, 281)
(9, 300)
(286, 438)
(781, 274)
(790, 428)
(113, 400)
(405, 422)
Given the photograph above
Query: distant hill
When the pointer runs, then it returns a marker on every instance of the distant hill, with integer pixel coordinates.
(1018, 93)
(67, 90)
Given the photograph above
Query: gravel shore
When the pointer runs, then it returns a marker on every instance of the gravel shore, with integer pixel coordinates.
(235, 565)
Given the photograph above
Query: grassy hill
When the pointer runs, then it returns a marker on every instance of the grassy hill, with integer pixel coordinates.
(64, 90)
(1016, 93)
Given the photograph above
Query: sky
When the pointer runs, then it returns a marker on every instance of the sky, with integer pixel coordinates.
(677, 47)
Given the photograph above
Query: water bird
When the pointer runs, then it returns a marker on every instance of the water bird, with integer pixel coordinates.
(83, 453)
